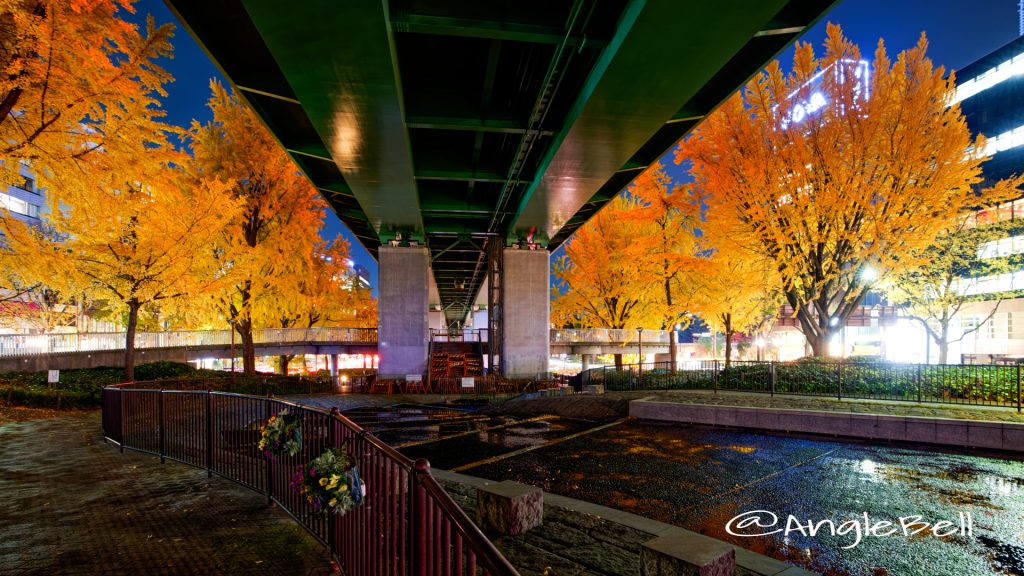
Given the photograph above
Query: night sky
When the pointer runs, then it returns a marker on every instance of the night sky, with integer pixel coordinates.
(959, 32)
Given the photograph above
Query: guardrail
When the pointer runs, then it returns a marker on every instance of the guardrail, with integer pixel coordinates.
(17, 345)
(609, 336)
(407, 526)
(970, 384)
(36, 345)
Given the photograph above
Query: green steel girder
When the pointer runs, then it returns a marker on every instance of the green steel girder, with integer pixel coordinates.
(351, 94)
(632, 93)
(459, 122)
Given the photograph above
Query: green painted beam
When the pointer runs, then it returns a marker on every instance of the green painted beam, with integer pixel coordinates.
(489, 29)
(496, 125)
(339, 59)
(663, 53)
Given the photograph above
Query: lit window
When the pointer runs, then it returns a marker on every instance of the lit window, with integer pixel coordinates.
(18, 206)
(1001, 73)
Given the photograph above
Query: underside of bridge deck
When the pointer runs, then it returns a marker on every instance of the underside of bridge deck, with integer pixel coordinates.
(459, 122)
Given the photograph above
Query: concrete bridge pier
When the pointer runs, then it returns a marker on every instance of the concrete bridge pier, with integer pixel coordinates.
(402, 327)
(332, 363)
(526, 322)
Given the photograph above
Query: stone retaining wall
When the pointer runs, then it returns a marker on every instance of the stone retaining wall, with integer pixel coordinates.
(941, 431)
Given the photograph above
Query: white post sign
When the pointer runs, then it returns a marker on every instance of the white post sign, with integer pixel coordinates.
(414, 377)
(53, 376)
(468, 382)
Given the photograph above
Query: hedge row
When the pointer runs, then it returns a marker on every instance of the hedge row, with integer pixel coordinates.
(950, 383)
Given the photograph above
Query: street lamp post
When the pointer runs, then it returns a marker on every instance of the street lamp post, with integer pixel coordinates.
(640, 356)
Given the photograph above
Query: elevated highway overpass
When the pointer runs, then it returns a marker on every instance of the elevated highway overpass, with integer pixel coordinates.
(461, 141)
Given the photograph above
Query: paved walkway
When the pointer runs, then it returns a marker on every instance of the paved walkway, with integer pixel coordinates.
(753, 400)
(73, 505)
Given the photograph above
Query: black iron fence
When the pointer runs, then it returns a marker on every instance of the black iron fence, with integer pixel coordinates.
(979, 385)
(408, 525)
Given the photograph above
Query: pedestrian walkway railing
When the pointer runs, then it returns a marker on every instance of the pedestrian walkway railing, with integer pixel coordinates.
(407, 525)
(17, 345)
(610, 336)
(36, 345)
(969, 384)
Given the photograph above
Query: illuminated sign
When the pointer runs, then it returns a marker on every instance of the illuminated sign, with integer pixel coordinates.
(811, 95)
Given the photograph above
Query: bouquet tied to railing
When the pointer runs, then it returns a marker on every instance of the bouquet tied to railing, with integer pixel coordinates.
(331, 482)
(282, 434)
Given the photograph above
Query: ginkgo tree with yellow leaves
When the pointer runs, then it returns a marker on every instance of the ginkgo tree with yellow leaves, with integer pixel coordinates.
(599, 283)
(664, 247)
(76, 78)
(126, 238)
(270, 246)
(867, 177)
(737, 291)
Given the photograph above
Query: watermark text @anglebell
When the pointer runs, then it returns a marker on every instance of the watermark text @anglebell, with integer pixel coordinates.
(765, 523)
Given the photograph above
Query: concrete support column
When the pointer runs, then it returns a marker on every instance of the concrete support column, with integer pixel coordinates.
(526, 322)
(402, 327)
(586, 362)
(332, 362)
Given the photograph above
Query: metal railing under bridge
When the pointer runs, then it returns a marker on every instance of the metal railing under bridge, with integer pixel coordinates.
(16, 345)
(407, 525)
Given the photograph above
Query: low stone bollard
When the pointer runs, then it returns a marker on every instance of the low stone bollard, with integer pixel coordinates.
(687, 555)
(595, 389)
(509, 507)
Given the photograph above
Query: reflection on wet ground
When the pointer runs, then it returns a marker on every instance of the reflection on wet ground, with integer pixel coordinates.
(701, 478)
(449, 438)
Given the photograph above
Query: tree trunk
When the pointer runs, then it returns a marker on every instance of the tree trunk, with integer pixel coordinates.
(673, 351)
(282, 363)
(727, 323)
(943, 342)
(244, 329)
(618, 362)
(820, 343)
(129, 340)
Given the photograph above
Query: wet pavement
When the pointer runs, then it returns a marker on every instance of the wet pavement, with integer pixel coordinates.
(700, 478)
(74, 505)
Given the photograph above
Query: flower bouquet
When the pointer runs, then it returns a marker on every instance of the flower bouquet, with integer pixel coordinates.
(330, 483)
(282, 434)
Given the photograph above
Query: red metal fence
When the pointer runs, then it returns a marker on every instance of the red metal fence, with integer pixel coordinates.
(408, 525)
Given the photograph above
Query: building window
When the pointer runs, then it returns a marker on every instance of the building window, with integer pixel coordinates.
(968, 323)
(18, 206)
(28, 184)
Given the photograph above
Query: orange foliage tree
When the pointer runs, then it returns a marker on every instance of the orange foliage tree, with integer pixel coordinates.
(827, 178)
(273, 242)
(127, 237)
(75, 78)
(599, 283)
(665, 247)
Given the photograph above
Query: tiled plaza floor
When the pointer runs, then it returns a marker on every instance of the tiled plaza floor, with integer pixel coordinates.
(70, 504)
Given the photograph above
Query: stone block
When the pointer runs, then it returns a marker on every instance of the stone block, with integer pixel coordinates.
(726, 416)
(509, 507)
(892, 427)
(864, 425)
(595, 389)
(687, 555)
(950, 433)
(920, 430)
(985, 435)
(1013, 437)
